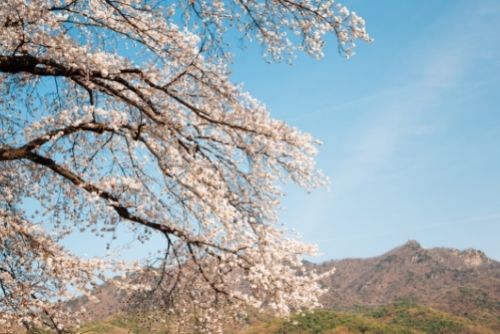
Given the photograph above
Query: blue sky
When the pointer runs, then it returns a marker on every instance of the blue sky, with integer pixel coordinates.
(410, 126)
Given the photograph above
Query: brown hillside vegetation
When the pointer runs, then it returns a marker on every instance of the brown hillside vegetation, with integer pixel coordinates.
(406, 290)
(465, 283)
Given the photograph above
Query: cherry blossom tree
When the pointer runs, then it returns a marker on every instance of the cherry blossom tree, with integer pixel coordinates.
(118, 112)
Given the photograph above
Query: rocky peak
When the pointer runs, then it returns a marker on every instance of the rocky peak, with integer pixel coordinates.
(410, 246)
(413, 244)
(473, 257)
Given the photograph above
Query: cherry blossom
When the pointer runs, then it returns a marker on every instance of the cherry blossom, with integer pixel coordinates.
(122, 113)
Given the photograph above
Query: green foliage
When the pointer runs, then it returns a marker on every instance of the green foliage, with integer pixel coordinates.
(324, 321)
(401, 317)
(420, 318)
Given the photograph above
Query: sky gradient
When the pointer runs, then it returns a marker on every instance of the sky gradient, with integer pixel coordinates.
(410, 129)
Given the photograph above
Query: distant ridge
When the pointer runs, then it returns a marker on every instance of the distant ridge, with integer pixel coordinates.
(465, 283)
(462, 282)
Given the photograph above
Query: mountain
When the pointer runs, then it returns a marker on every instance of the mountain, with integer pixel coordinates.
(464, 283)
(409, 289)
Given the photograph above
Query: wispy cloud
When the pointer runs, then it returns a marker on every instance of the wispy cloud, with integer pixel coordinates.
(395, 114)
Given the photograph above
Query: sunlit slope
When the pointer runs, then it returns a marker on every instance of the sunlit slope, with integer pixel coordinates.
(387, 319)
(394, 318)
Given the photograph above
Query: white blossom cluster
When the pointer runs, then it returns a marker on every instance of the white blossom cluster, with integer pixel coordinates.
(36, 275)
(119, 112)
(282, 26)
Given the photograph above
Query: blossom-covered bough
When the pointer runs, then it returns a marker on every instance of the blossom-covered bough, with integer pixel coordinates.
(121, 112)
